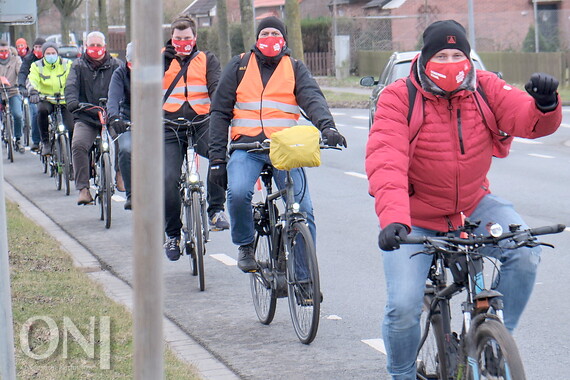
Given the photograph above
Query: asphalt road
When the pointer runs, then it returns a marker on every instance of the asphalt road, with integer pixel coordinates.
(535, 177)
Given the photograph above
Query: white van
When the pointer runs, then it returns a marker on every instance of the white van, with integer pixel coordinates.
(57, 39)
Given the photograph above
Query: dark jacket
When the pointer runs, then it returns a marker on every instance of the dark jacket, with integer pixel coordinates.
(307, 93)
(86, 84)
(119, 97)
(25, 68)
(212, 77)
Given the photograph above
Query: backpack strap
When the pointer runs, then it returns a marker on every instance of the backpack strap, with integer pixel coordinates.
(242, 66)
(415, 119)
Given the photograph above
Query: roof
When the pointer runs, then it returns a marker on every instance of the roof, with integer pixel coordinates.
(200, 7)
(266, 14)
(270, 3)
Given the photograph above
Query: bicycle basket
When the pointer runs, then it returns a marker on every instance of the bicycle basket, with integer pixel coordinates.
(295, 147)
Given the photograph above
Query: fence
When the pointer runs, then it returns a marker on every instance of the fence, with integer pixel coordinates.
(320, 63)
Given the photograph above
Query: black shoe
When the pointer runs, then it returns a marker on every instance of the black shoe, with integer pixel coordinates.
(35, 147)
(172, 248)
(304, 293)
(246, 258)
(46, 149)
(219, 221)
(128, 205)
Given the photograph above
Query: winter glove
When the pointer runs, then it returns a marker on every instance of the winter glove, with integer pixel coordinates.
(119, 125)
(169, 53)
(542, 87)
(34, 97)
(89, 110)
(23, 91)
(218, 174)
(332, 137)
(391, 235)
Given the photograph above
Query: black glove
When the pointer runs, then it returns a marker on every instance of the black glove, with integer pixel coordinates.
(390, 237)
(119, 125)
(169, 53)
(218, 174)
(23, 91)
(542, 87)
(89, 110)
(332, 137)
(34, 97)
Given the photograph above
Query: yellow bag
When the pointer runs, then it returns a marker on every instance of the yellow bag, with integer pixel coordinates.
(295, 147)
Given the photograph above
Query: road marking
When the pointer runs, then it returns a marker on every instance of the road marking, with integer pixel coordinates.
(567, 229)
(527, 141)
(539, 283)
(222, 257)
(366, 128)
(338, 113)
(340, 125)
(357, 175)
(334, 317)
(565, 125)
(118, 198)
(377, 344)
(360, 117)
(540, 155)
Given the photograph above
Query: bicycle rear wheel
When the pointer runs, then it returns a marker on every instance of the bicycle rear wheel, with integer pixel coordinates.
(8, 137)
(198, 238)
(26, 130)
(65, 161)
(431, 362)
(263, 293)
(56, 163)
(107, 188)
(303, 283)
(496, 355)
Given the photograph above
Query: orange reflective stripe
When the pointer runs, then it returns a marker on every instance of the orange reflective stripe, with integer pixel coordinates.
(268, 109)
(193, 90)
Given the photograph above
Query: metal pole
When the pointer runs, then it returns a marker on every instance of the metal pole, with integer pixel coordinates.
(471, 24)
(86, 21)
(536, 32)
(7, 361)
(334, 32)
(148, 189)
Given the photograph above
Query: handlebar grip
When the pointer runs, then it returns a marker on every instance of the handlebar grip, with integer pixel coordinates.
(413, 240)
(557, 228)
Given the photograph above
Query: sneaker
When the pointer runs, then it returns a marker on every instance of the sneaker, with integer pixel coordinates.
(119, 184)
(172, 248)
(84, 197)
(246, 258)
(19, 147)
(35, 147)
(219, 221)
(128, 205)
(46, 149)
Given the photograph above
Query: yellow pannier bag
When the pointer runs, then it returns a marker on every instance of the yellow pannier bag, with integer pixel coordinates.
(295, 147)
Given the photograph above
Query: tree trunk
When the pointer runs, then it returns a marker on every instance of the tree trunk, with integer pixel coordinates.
(223, 32)
(293, 22)
(66, 8)
(247, 24)
(65, 30)
(103, 25)
(128, 20)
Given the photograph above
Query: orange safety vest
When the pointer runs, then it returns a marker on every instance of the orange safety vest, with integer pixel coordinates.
(193, 89)
(270, 109)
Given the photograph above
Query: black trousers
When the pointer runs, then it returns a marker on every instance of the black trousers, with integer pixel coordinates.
(44, 109)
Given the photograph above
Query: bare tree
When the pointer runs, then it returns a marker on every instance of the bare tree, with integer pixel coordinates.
(247, 23)
(103, 24)
(66, 9)
(293, 22)
(224, 34)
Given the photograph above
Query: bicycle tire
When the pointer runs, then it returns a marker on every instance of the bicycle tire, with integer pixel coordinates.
(495, 353)
(26, 130)
(197, 233)
(8, 136)
(56, 166)
(263, 293)
(66, 162)
(305, 292)
(431, 363)
(107, 189)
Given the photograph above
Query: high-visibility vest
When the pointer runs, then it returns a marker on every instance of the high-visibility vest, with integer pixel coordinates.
(268, 109)
(192, 89)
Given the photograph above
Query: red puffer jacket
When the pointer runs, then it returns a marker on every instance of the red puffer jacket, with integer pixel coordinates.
(447, 174)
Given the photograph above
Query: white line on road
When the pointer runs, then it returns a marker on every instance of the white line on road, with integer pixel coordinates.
(526, 141)
(377, 344)
(540, 155)
(222, 257)
(118, 198)
(334, 317)
(567, 229)
(340, 125)
(565, 125)
(365, 128)
(338, 113)
(360, 117)
(357, 175)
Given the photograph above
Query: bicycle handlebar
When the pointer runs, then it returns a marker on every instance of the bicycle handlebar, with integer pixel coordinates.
(182, 122)
(264, 146)
(52, 98)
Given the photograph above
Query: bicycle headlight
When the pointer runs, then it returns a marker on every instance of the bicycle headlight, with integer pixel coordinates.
(296, 207)
(105, 146)
(494, 229)
(61, 128)
(193, 178)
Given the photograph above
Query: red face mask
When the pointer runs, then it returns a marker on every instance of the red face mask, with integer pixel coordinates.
(4, 54)
(184, 47)
(448, 76)
(38, 54)
(270, 46)
(96, 52)
(22, 51)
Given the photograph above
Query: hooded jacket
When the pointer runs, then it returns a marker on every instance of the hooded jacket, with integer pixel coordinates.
(119, 97)
(447, 173)
(307, 93)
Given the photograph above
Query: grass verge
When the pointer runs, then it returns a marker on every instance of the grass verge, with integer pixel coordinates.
(47, 287)
(346, 100)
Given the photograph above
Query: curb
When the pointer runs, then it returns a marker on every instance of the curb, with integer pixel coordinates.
(184, 347)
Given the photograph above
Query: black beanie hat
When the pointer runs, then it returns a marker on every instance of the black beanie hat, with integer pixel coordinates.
(48, 45)
(271, 22)
(448, 34)
(39, 41)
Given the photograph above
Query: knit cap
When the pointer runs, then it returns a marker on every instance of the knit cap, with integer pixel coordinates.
(272, 22)
(39, 41)
(448, 34)
(48, 45)
(21, 41)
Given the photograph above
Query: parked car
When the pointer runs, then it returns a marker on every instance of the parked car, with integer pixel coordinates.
(69, 51)
(398, 66)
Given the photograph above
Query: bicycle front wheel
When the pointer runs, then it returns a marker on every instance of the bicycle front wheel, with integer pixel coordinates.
(431, 361)
(56, 163)
(107, 189)
(303, 282)
(496, 355)
(263, 293)
(198, 238)
(26, 130)
(8, 138)
(65, 159)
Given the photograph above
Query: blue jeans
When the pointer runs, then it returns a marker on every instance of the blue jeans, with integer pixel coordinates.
(125, 149)
(16, 109)
(243, 170)
(406, 279)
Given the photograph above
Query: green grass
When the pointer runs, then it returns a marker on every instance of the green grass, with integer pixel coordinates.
(346, 100)
(45, 283)
(350, 81)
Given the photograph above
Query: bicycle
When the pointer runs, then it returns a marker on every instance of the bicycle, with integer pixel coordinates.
(195, 230)
(27, 116)
(7, 121)
(59, 161)
(484, 349)
(100, 163)
(285, 254)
